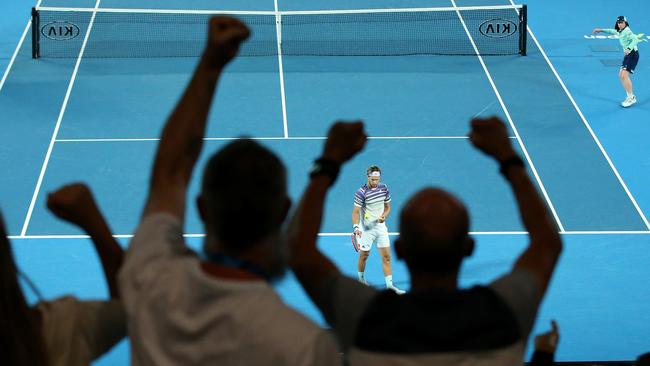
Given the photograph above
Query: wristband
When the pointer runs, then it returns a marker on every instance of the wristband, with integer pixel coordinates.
(325, 167)
(506, 164)
(356, 226)
(542, 358)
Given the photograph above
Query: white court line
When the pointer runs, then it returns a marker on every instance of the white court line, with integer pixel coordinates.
(399, 10)
(610, 232)
(155, 11)
(298, 12)
(58, 125)
(591, 131)
(20, 44)
(278, 34)
(512, 125)
(477, 233)
(275, 138)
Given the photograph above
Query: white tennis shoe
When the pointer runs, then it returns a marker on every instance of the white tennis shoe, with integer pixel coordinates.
(628, 101)
(396, 290)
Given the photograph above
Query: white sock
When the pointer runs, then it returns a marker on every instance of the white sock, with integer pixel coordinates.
(362, 276)
(389, 281)
(630, 95)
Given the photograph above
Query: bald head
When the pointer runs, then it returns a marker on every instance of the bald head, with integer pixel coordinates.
(643, 360)
(434, 229)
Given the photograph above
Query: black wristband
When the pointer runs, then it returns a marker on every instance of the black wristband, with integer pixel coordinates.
(506, 164)
(325, 167)
(541, 358)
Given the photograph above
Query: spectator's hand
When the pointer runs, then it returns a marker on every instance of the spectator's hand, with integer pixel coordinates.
(597, 30)
(344, 140)
(491, 137)
(225, 35)
(73, 203)
(547, 342)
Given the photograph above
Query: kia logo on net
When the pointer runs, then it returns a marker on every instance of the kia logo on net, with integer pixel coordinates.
(60, 31)
(498, 28)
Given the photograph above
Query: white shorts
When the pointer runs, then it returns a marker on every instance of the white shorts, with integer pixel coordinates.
(376, 233)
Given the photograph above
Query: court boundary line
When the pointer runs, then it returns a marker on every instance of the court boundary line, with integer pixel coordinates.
(334, 234)
(18, 47)
(512, 124)
(135, 139)
(66, 98)
(591, 131)
(288, 12)
(278, 36)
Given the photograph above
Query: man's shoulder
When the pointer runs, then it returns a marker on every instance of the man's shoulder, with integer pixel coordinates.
(438, 321)
(158, 235)
(442, 299)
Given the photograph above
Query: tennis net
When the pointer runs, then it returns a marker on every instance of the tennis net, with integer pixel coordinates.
(143, 33)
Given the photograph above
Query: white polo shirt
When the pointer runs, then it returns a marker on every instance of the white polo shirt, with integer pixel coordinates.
(179, 315)
(77, 332)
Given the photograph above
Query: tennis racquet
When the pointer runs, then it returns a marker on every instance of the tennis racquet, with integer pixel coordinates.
(355, 242)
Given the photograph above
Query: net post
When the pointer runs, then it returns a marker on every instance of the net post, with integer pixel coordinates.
(36, 51)
(523, 29)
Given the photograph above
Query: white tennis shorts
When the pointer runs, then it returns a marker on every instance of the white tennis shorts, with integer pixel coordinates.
(376, 233)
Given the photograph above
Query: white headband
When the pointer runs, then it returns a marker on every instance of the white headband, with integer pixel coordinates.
(374, 174)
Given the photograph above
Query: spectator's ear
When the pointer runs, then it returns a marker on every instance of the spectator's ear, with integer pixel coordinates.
(468, 247)
(200, 204)
(397, 244)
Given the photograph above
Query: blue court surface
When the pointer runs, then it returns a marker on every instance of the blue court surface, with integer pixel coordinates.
(97, 120)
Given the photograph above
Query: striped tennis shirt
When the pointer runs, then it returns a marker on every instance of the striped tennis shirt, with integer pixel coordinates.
(371, 201)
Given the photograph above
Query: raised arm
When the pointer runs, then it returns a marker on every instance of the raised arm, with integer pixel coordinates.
(605, 30)
(541, 255)
(182, 136)
(308, 263)
(75, 204)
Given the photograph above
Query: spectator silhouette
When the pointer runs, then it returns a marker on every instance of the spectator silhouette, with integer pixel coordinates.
(219, 310)
(643, 360)
(435, 323)
(65, 331)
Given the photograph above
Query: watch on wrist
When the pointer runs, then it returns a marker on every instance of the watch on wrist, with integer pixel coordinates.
(505, 165)
(325, 167)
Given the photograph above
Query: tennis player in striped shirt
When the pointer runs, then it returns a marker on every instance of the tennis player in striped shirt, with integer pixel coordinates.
(369, 213)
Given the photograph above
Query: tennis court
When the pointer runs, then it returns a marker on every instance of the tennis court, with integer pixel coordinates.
(97, 120)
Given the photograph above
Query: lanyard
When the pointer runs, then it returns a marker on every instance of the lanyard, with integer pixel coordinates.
(229, 261)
